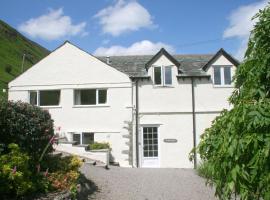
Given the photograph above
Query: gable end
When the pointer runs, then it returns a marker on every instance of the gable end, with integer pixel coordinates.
(219, 53)
(158, 55)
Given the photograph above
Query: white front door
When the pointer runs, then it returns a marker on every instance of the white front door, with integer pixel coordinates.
(150, 148)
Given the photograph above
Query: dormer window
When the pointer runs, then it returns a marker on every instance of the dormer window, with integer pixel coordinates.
(222, 75)
(163, 75)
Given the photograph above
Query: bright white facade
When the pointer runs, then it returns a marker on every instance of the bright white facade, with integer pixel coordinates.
(144, 119)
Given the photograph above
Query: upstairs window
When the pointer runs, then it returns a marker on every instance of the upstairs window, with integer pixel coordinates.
(49, 98)
(168, 75)
(222, 75)
(90, 96)
(157, 75)
(33, 95)
(163, 75)
(45, 97)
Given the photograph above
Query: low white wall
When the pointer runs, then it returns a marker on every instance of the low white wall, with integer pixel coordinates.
(97, 155)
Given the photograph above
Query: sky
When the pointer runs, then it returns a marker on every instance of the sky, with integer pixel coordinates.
(135, 27)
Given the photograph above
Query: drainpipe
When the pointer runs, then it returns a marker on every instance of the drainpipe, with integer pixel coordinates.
(137, 123)
(194, 123)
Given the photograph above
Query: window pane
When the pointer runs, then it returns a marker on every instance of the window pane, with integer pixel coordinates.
(217, 78)
(157, 75)
(33, 98)
(85, 97)
(102, 96)
(227, 75)
(77, 97)
(168, 75)
(87, 138)
(49, 98)
(77, 138)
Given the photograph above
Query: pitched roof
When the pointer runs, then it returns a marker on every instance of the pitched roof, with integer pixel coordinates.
(219, 53)
(136, 65)
(161, 52)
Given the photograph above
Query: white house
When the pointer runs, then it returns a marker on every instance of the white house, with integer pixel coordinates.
(151, 109)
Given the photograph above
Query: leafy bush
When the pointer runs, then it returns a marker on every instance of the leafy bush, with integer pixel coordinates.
(205, 170)
(65, 164)
(18, 179)
(236, 149)
(63, 180)
(28, 126)
(8, 69)
(99, 145)
(65, 173)
(15, 176)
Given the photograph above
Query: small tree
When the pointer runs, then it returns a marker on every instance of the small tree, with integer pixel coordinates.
(236, 149)
(28, 126)
(8, 69)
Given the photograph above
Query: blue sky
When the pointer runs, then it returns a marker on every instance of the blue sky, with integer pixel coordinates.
(115, 27)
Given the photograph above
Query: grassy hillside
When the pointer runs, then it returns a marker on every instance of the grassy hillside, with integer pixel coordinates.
(12, 47)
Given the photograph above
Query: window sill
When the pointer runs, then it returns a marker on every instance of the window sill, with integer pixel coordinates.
(163, 86)
(90, 106)
(48, 107)
(223, 86)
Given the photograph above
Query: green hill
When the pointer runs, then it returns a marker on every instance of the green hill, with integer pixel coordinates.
(13, 46)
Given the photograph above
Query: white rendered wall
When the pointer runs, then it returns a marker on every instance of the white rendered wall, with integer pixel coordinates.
(170, 108)
(69, 68)
(172, 126)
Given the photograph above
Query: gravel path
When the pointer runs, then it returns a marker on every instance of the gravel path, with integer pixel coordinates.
(147, 184)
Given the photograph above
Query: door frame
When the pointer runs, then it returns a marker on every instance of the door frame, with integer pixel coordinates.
(141, 143)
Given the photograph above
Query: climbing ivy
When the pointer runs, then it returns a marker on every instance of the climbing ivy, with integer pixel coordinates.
(235, 150)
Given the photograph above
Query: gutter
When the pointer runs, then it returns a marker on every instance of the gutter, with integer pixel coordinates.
(137, 122)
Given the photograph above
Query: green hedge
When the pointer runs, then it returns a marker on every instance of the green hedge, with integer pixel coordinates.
(28, 126)
(99, 145)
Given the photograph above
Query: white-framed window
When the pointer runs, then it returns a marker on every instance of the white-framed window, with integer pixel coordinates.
(90, 96)
(83, 137)
(44, 97)
(162, 75)
(222, 75)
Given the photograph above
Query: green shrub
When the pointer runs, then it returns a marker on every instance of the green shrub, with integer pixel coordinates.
(15, 176)
(28, 126)
(236, 148)
(59, 163)
(204, 170)
(99, 145)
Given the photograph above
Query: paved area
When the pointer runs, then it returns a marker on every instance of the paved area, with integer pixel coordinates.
(147, 184)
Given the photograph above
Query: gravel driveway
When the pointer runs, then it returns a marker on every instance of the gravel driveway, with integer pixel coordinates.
(146, 184)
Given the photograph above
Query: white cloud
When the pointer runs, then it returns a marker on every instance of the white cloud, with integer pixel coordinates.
(124, 17)
(240, 24)
(51, 26)
(144, 47)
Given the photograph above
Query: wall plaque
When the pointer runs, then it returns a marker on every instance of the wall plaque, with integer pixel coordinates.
(170, 140)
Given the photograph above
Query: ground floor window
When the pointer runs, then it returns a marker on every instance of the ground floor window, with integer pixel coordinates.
(83, 138)
(87, 138)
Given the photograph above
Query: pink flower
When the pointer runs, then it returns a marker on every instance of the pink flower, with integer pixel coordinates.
(52, 139)
(46, 172)
(14, 170)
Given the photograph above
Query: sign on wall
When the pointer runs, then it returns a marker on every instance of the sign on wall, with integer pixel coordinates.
(170, 140)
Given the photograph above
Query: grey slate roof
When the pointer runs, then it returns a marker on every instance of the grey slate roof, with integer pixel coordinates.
(135, 65)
